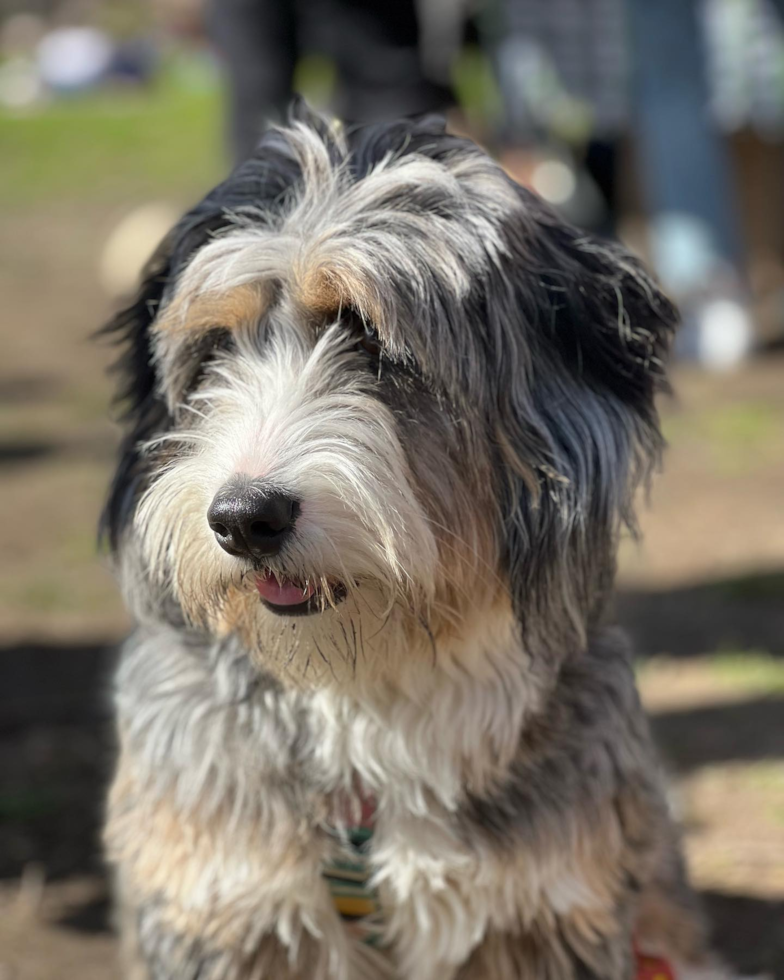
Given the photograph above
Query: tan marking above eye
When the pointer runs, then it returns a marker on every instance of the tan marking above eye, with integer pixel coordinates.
(232, 309)
(319, 293)
(322, 292)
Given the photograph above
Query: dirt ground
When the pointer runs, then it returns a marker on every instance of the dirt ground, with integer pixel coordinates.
(702, 598)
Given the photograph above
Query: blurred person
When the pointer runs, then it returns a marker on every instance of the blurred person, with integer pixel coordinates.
(375, 46)
(394, 60)
(684, 163)
(562, 69)
(572, 74)
(580, 73)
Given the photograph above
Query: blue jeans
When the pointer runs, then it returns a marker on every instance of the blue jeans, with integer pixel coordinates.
(683, 159)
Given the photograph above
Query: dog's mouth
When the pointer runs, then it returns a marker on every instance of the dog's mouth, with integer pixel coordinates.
(289, 597)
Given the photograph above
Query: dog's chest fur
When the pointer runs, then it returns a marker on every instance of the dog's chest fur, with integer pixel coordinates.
(229, 727)
(213, 736)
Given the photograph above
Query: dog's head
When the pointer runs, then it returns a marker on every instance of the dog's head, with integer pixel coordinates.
(374, 384)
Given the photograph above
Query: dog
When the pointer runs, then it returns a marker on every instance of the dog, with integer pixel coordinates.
(386, 414)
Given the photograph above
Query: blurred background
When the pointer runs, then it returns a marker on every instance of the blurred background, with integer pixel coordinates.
(658, 122)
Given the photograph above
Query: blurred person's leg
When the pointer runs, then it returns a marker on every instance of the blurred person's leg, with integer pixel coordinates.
(376, 44)
(562, 75)
(257, 44)
(687, 180)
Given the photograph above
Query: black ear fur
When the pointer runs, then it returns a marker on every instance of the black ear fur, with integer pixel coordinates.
(607, 318)
(144, 411)
(581, 430)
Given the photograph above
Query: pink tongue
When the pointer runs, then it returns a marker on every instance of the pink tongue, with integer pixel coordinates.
(282, 594)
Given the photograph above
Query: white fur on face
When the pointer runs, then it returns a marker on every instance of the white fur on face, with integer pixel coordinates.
(306, 419)
(302, 418)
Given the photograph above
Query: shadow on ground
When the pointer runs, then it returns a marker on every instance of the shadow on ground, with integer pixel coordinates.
(16, 453)
(91, 917)
(56, 749)
(750, 731)
(741, 613)
(748, 932)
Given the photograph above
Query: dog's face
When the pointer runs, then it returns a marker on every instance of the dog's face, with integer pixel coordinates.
(376, 387)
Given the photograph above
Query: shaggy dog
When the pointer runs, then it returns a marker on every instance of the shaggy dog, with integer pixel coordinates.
(386, 414)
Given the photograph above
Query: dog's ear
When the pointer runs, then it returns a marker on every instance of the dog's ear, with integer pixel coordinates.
(143, 410)
(578, 430)
(588, 330)
(598, 309)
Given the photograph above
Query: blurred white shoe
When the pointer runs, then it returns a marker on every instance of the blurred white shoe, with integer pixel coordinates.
(717, 329)
(723, 333)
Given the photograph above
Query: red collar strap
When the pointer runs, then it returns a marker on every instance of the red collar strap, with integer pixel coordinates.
(652, 968)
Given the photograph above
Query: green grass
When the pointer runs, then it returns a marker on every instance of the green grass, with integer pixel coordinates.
(168, 139)
(736, 437)
(115, 144)
(752, 670)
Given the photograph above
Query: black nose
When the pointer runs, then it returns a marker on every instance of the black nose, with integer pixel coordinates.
(251, 521)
